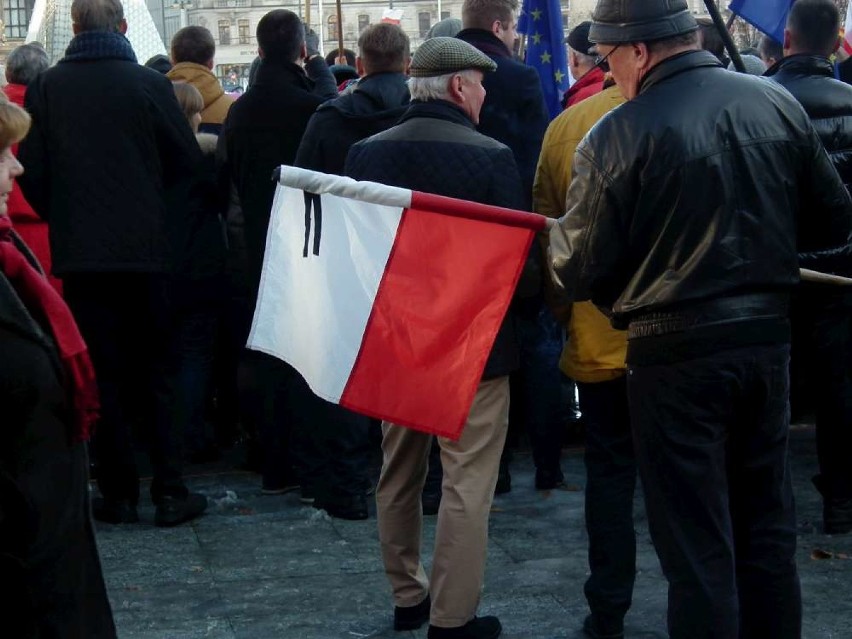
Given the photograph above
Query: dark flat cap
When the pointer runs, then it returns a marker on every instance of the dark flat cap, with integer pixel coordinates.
(620, 21)
(578, 38)
(440, 56)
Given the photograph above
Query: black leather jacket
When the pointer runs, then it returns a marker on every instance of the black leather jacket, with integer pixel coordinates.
(700, 190)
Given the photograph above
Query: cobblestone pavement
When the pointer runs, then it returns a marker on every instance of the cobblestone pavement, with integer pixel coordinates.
(258, 567)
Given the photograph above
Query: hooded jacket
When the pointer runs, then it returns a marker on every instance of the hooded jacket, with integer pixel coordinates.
(377, 103)
(217, 103)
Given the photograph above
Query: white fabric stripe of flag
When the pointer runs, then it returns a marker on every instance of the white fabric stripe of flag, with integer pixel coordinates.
(312, 311)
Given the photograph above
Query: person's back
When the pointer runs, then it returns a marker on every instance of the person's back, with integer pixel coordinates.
(514, 111)
(377, 102)
(192, 51)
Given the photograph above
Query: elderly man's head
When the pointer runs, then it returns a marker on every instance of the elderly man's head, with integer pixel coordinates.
(25, 63)
(580, 61)
(452, 70)
(633, 37)
(98, 15)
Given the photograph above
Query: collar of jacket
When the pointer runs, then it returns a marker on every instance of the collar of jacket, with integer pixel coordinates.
(804, 64)
(200, 77)
(387, 90)
(272, 73)
(15, 93)
(486, 42)
(686, 61)
(593, 76)
(438, 109)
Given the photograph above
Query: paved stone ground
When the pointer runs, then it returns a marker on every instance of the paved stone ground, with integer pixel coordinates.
(258, 567)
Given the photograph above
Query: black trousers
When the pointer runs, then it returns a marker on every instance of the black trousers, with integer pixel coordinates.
(711, 444)
(128, 323)
(610, 485)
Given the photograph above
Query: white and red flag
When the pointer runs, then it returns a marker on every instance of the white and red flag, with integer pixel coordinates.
(847, 30)
(387, 300)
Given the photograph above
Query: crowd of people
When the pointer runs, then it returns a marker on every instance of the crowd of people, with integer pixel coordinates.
(687, 196)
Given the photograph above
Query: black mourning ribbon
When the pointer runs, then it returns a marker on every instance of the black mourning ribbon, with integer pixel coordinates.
(312, 201)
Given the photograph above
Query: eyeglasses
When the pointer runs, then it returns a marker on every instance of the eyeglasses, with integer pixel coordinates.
(603, 58)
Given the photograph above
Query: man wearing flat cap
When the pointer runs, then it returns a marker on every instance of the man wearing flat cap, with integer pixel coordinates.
(435, 148)
(684, 222)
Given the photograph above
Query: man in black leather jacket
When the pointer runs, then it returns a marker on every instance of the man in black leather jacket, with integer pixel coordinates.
(692, 207)
(822, 314)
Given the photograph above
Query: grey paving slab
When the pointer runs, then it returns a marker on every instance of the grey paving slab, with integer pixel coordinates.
(258, 567)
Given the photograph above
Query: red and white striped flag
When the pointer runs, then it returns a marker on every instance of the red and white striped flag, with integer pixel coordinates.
(387, 300)
(847, 30)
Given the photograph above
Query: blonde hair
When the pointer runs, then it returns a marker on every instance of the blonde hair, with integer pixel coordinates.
(14, 123)
(189, 98)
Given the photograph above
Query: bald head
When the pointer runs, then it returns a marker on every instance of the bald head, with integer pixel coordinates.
(98, 15)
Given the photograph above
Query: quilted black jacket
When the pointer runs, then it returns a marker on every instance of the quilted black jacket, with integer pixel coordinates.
(703, 187)
(108, 141)
(436, 149)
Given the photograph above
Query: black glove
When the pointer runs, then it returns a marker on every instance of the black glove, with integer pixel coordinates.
(311, 42)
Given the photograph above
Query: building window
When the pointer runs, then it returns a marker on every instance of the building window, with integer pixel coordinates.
(333, 33)
(245, 34)
(224, 32)
(363, 22)
(16, 15)
(445, 15)
(564, 21)
(424, 20)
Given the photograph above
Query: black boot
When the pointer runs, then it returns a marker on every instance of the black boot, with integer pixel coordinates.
(412, 617)
(476, 628)
(173, 511)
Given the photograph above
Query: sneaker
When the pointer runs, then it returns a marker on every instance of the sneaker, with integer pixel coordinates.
(114, 511)
(476, 628)
(412, 617)
(173, 511)
(598, 627)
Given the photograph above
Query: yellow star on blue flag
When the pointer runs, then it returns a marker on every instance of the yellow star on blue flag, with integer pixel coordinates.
(542, 21)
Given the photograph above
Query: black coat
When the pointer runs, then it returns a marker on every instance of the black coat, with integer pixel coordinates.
(435, 149)
(108, 140)
(377, 103)
(514, 111)
(684, 195)
(50, 573)
(263, 130)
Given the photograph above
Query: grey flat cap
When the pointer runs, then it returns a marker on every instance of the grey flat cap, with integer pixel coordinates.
(440, 56)
(620, 21)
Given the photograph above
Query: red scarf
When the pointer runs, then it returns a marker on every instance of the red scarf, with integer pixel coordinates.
(45, 303)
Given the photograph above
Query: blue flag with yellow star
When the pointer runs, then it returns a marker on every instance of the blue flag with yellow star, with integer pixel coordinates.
(541, 21)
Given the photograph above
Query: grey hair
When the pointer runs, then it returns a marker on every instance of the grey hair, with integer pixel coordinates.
(437, 87)
(584, 58)
(25, 63)
(97, 15)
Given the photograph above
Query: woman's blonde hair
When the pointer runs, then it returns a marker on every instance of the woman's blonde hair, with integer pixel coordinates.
(189, 98)
(14, 123)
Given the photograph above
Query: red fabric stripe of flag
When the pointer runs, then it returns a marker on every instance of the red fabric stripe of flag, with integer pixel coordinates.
(443, 296)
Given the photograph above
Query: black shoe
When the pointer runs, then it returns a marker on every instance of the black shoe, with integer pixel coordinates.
(837, 515)
(476, 628)
(597, 627)
(504, 484)
(173, 511)
(353, 509)
(114, 511)
(431, 503)
(412, 617)
(549, 481)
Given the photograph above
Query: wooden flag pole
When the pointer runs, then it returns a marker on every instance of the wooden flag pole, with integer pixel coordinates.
(713, 10)
(340, 33)
(308, 13)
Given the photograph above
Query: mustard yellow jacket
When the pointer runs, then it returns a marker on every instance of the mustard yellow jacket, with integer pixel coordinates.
(216, 101)
(594, 351)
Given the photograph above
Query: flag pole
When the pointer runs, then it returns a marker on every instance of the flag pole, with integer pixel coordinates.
(308, 13)
(713, 10)
(339, 31)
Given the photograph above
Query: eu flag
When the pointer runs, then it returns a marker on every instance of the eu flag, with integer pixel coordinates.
(541, 21)
(769, 16)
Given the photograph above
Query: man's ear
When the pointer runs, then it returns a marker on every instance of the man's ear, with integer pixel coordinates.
(260, 53)
(303, 52)
(359, 66)
(75, 28)
(788, 41)
(496, 27)
(209, 64)
(837, 44)
(122, 26)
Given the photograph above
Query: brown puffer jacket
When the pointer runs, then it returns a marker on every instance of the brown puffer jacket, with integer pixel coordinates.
(216, 101)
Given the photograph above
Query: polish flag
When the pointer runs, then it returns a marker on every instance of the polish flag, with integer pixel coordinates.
(847, 37)
(387, 300)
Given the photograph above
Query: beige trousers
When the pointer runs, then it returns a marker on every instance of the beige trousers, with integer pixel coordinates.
(470, 474)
